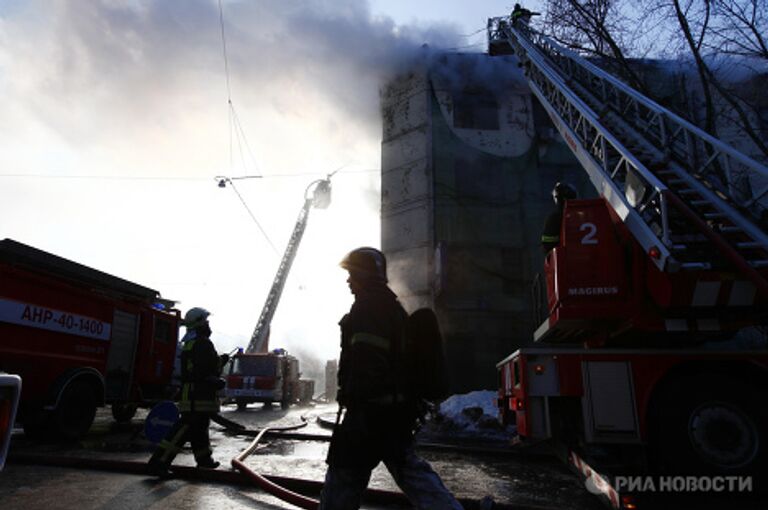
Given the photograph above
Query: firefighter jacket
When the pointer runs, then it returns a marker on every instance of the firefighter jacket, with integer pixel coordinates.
(550, 237)
(370, 365)
(200, 367)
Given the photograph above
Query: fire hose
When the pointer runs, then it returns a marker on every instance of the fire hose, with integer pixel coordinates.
(279, 491)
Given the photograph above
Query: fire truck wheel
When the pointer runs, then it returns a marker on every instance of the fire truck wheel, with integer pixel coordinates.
(706, 426)
(241, 404)
(285, 404)
(123, 412)
(76, 410)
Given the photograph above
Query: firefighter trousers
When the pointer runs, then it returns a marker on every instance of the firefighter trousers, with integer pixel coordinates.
(368, 435)
(344, 486)
(192, 427)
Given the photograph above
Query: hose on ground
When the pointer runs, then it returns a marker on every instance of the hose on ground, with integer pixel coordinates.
(276, 490)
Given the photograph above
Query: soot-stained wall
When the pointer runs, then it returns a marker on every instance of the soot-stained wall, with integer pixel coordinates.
(468, 163)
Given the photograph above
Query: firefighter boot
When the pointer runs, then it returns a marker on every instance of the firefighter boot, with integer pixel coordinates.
(208, 463)
(158, 469)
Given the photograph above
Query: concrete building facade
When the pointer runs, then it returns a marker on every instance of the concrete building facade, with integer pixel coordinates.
(469, 160)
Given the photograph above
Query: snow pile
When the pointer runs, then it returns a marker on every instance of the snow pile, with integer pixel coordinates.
(453, 407)
(471, 415)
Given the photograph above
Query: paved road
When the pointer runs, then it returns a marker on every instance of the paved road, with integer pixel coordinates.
(522, 482)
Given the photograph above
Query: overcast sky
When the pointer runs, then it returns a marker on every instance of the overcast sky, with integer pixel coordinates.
(114, 123)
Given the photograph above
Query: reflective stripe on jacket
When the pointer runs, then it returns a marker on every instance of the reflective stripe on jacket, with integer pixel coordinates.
(371, 338)
(199, 371)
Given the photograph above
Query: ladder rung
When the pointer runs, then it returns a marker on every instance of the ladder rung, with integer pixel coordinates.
(714, 215)
(729, 229)
(749, 244)
(679, 247)
(687, 191)
(699, 202)
(693, 266)
(758, 264)
(690, 238)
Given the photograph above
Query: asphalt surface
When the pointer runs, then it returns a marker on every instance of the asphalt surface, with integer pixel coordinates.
(526, 482)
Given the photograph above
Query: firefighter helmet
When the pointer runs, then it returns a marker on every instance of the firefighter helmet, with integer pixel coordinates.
(195, 317)
(366, 263)
(562, 192)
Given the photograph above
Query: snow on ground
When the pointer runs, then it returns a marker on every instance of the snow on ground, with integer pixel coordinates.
(471, 415)
(453, 406)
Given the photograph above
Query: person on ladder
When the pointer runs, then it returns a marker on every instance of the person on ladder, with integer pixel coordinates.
(200, 369)
(550, 237)
(521, 14)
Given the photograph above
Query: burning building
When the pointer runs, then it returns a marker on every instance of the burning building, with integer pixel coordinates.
(469, 159)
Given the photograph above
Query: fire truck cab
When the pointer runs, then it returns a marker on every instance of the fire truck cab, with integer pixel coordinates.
(262, 377)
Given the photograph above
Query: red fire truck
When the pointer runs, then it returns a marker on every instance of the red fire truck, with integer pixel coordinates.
(80, 338)
(263, 377)
(651, 355)
(632, 374)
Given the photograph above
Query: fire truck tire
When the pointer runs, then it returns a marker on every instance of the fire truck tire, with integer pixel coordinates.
(123, 412)
(76, 410)
(704, 426)
(242, 404)
(285, 404)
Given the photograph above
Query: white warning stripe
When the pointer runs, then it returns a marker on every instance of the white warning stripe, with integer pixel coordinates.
(705, 293)
(695, 325)
(739, 293)
(742, 294)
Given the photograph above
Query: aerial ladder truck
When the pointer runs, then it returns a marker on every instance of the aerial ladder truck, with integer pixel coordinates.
(630, 372)
(260, 375)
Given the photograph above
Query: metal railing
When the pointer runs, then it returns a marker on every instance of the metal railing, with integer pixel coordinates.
(720, 174)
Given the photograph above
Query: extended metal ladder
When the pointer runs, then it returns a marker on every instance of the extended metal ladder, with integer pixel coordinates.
(320, 198)
(680, 191)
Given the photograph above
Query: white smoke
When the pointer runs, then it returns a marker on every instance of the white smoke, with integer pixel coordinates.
(137, 88)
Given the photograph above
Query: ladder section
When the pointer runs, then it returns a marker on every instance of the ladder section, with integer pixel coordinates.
(672, 184)
(258, 341)
(320, 198)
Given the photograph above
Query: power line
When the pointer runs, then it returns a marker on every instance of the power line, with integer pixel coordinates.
(235, 127)
(481, 29)
(239, 133)
(253, 217)
(224, 51)
(106, 177)
(170, 178)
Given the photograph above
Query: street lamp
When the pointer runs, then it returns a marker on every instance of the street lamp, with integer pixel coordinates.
(223, 179)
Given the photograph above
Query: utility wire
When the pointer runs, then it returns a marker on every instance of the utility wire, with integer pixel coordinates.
(234, 124)
(253, 217)
(171, 178)
(242, 137)
(482, 29)
(224, 51)
(235, 127)
(106, 177)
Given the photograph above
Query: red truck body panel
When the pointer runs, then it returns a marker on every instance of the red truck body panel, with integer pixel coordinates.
(519, 371)
(58, 318)
(600, 285)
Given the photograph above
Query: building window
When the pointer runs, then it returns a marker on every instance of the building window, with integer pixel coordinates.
(476, 109)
